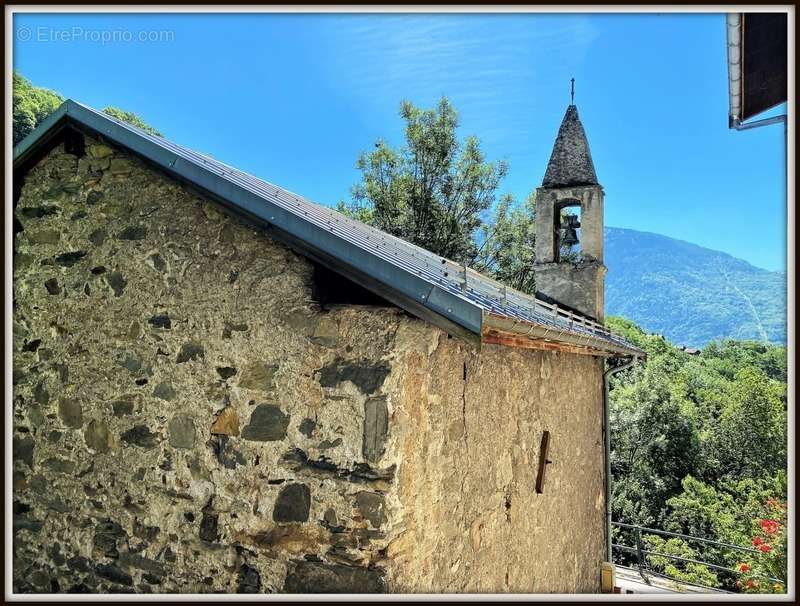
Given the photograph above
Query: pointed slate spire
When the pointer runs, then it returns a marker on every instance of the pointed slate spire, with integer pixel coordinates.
(571, 161)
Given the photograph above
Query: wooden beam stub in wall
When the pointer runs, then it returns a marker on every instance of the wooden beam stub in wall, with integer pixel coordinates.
(543, 462)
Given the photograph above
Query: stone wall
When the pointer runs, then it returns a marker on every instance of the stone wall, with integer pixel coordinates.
(579, 285)
(187, 418)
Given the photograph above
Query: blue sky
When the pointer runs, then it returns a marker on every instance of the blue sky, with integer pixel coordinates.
(295, 98)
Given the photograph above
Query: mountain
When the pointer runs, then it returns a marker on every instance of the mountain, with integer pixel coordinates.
(691, 294)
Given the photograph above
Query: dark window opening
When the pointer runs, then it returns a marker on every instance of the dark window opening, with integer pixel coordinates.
(330, 288)
(74, 143)
(567, 231)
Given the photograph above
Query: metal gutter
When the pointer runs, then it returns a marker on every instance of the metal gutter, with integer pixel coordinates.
(607, 447)
(735, 40)
(736, 124)
(734, 36)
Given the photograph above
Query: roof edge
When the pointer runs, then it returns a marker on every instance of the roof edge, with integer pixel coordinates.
(497, 329)
(28, 145)
(449, 307)
(326, 243)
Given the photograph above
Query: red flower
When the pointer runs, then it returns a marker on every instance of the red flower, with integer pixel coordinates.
(757, 541)
(743, 567)
(765, 548)
(750, 583)
(770, 526)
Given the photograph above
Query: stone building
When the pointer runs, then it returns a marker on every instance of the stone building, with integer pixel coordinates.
(219, 386)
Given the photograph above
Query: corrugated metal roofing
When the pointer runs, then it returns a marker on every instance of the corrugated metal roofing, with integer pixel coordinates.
(436, 283)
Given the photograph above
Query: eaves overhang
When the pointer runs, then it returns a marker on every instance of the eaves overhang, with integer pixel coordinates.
(757, 53)
(530, 335)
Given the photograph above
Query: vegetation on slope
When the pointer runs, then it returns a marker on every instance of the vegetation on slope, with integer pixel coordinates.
(691, 294)
(699, 448)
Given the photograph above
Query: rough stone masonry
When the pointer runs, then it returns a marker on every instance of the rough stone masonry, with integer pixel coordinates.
(187, 418)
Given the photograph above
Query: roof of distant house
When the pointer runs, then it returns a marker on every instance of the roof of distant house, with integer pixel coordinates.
(458, 300)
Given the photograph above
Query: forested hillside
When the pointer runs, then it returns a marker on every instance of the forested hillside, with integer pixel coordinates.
(691, 294)
(699, 447)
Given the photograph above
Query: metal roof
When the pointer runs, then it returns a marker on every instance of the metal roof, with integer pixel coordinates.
(421, 282)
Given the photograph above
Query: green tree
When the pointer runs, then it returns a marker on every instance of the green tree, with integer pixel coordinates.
(31, 105)
(743, 512)
(441, 194)
(434, 191)
(655, 443)
(689, 572)
(132, 119)
(506, 249)
(750, 439)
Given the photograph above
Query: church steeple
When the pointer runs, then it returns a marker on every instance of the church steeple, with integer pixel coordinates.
(571, 161)
(570, 181)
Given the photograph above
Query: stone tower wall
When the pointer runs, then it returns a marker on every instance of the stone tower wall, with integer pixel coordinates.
(580, 285)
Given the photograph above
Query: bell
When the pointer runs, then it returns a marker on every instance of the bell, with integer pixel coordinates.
(570, 238)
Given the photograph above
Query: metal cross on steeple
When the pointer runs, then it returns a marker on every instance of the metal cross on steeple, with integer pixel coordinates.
(572, 92)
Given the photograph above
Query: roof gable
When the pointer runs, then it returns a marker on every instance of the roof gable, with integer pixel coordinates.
(462, 302)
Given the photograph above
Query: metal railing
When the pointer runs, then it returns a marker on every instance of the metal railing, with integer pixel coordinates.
(641, 553)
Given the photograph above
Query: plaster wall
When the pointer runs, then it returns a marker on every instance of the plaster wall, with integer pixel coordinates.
(468, 431)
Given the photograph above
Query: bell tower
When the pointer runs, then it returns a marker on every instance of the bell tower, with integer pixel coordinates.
(574, 278)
